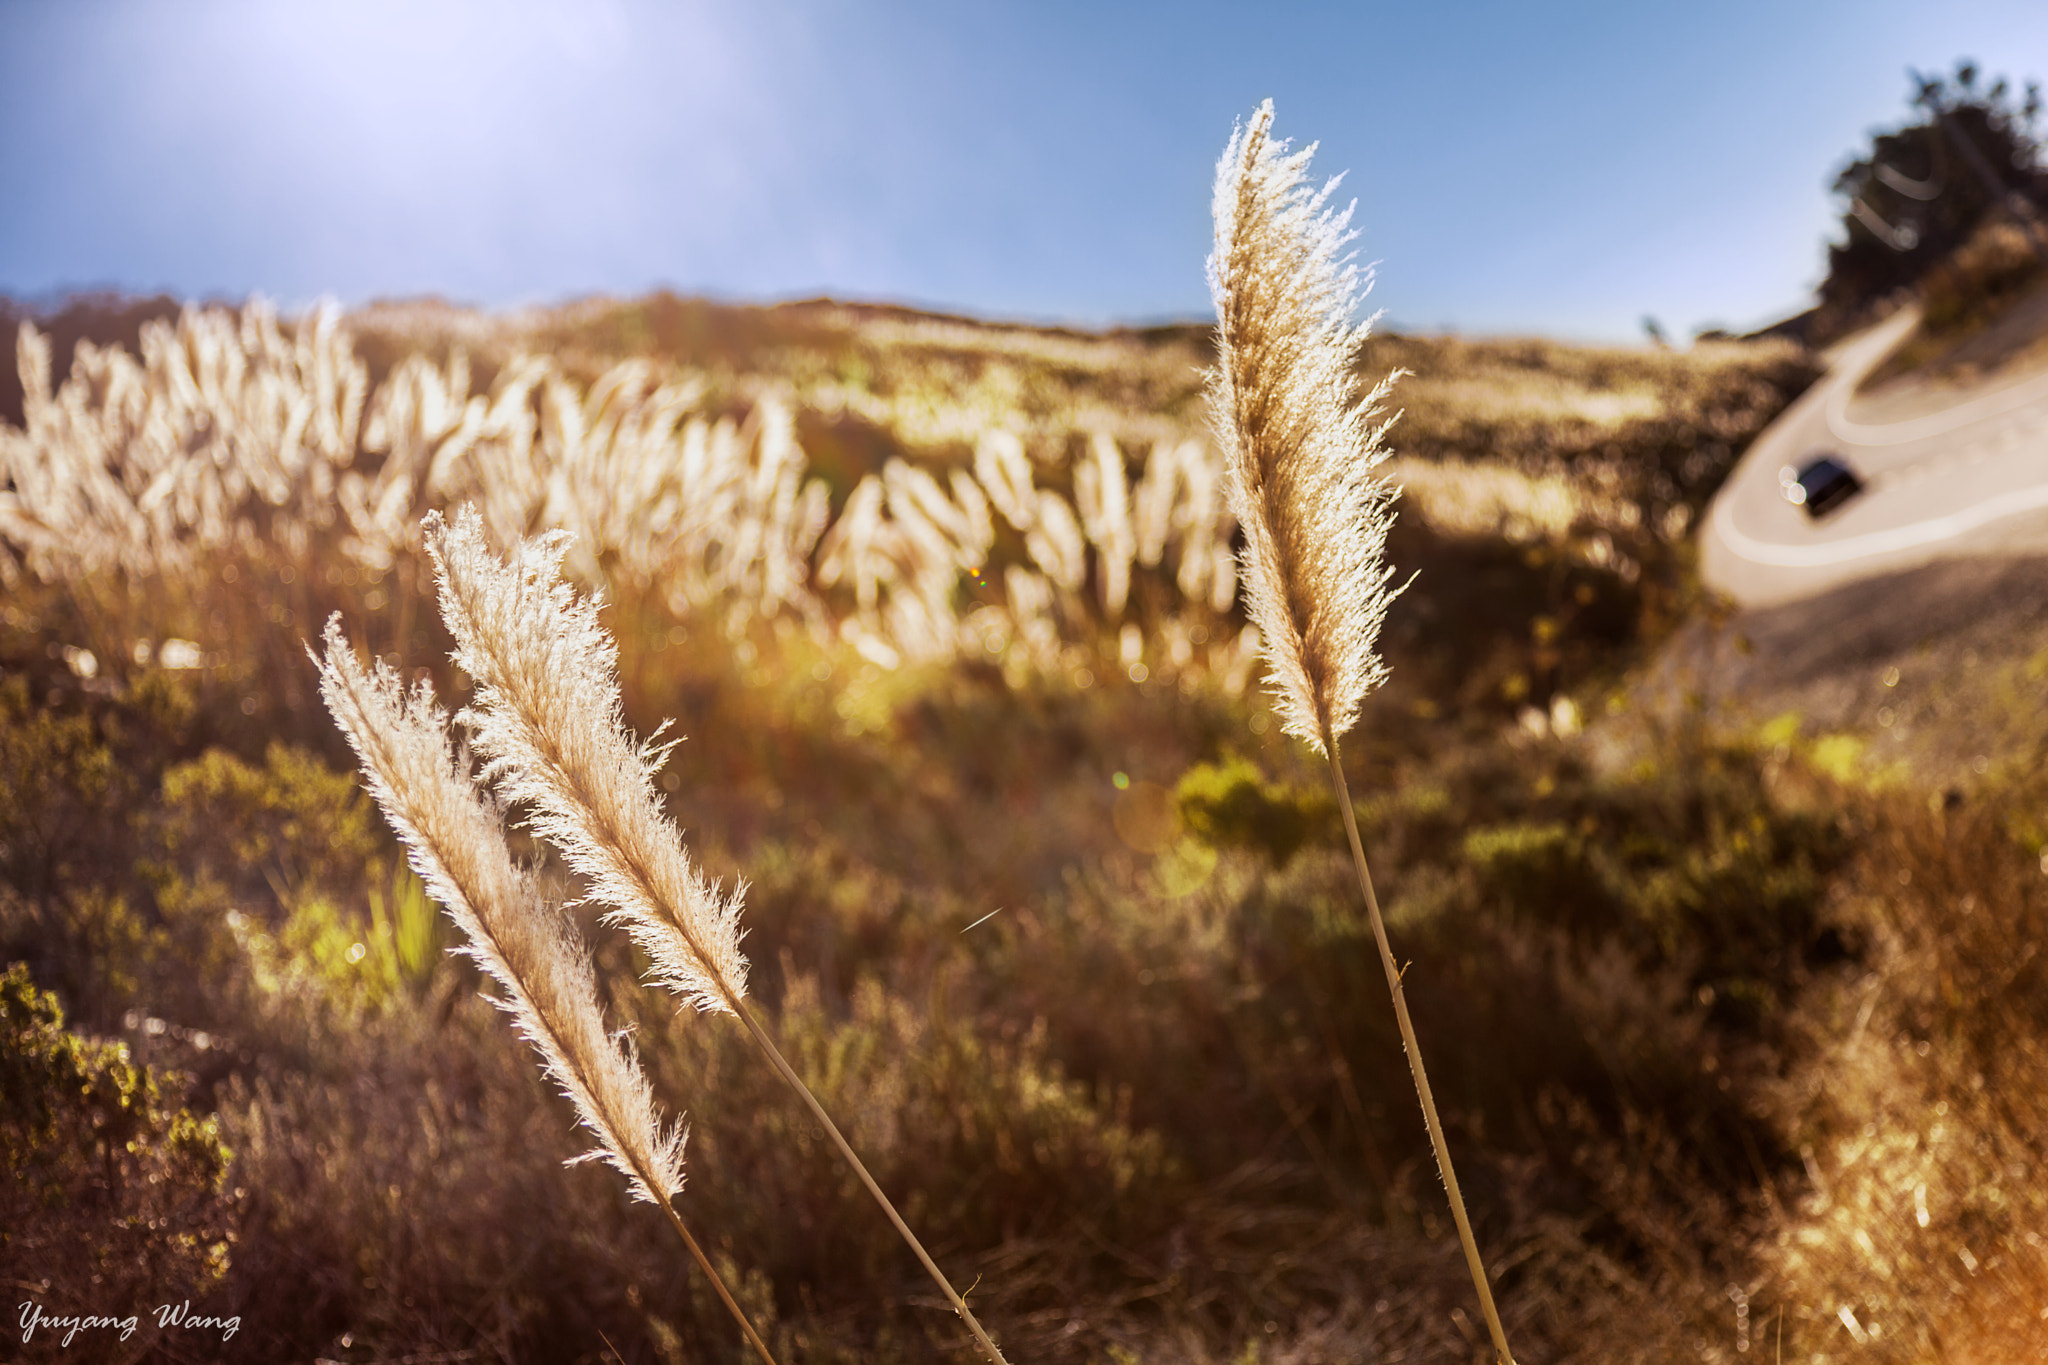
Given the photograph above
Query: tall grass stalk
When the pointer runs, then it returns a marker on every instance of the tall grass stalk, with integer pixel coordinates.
(456, 841)
(1302, 448)
(547, 714)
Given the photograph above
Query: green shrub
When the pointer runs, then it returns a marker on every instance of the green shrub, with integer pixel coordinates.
(109, 1195)
(1231, 805)
(292, 824)
(64, 798)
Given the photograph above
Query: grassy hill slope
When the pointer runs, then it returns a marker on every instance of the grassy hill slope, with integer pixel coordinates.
(1736, 1045)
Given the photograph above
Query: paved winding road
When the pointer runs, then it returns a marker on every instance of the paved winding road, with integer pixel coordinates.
(1969, 478)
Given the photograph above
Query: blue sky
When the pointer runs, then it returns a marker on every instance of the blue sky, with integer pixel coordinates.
(1562, 169)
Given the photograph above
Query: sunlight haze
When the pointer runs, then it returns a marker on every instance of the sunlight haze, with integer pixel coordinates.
(1566, 170)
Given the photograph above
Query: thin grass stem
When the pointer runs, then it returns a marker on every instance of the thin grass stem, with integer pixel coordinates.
(718, 1283)
(1502, 1355)
(796, 1083)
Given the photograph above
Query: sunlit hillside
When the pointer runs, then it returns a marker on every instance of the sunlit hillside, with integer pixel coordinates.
(1741, 1041)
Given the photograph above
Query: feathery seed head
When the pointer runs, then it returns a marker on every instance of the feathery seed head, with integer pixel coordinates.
(546, 714)
(1299, 438)
(455, 839)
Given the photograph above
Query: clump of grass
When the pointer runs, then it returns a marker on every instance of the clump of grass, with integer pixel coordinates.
(1963, 298)
(1301, 445)
(1917, 1233)
(130, 481)
(1987, 273)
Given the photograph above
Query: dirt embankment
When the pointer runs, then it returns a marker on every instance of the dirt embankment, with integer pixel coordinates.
(1940, 671)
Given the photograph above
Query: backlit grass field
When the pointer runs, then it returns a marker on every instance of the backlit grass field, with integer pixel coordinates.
(1742, 1045)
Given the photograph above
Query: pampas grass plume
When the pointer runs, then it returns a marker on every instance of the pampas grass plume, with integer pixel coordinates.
(1299, 438)
(547, 715)
(1301, 447)
(454, 835)
(456, 842)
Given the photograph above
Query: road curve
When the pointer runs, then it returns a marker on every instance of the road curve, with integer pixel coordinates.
(1971, 478)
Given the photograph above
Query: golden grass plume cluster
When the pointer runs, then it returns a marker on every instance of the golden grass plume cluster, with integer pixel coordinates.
(231, 431)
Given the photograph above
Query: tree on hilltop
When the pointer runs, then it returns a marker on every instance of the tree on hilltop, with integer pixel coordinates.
(1921, 190)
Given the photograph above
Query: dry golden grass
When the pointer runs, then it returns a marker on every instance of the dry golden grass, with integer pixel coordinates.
(1156, 1101)
(228, 433)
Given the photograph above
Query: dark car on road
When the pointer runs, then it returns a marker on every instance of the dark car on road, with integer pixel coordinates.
(1820, 484)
